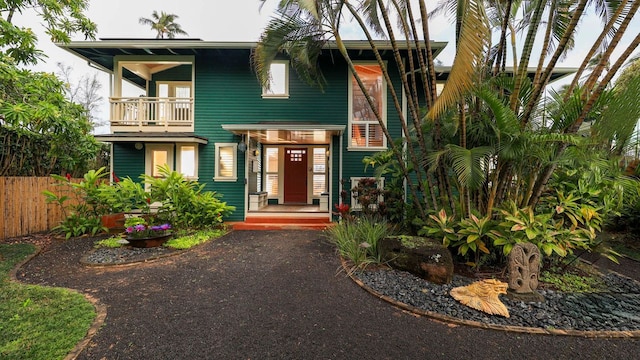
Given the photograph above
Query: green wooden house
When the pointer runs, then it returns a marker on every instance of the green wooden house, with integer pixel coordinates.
(272, 152)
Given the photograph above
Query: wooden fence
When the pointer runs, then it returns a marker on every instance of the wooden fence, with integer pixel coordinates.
(23, 207)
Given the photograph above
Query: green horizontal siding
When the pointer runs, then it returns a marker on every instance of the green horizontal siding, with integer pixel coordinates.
(130, 162)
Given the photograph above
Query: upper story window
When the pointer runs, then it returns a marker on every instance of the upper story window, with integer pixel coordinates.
(226, 159)
(278, 86)
(364, 130)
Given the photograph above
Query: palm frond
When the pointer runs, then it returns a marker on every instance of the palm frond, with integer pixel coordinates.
(371, 13)
(619, 118)
(294, 35)
(471, 48)
(468, 164)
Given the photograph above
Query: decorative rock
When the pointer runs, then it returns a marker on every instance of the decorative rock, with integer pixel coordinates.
(424, 257)
(483, 295)
(524, 266)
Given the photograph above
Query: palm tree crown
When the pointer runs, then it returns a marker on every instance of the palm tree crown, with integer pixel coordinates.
(163, 24)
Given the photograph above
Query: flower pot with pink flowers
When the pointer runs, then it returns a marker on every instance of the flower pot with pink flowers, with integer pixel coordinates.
(142, 235)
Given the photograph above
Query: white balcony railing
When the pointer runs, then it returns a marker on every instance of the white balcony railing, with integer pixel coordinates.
(159, 114)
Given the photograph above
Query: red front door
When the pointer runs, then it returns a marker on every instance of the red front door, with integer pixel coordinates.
(295, 175)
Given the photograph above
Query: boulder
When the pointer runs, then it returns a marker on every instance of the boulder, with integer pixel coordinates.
(423, 257)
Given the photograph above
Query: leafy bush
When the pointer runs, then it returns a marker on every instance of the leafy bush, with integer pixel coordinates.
(184, 204)
(472, 233)
(111, 242)
(81, 216)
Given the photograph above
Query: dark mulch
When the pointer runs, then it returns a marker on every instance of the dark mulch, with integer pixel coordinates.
(273, 295)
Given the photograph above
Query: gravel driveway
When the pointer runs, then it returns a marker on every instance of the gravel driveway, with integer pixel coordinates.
(273, 295)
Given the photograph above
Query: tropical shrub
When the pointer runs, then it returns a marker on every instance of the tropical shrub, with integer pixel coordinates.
(357, 240)
(82, 215)
(469, 236)
(183, 203)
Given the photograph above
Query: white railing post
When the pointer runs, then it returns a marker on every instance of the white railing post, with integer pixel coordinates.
(139, 113)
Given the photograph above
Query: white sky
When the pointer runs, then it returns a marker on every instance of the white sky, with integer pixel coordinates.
(239, 20)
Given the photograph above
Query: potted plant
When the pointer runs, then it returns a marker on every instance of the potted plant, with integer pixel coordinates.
(118, 199)
(142, 235)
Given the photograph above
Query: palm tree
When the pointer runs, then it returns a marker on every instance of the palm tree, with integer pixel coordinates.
(164, 24)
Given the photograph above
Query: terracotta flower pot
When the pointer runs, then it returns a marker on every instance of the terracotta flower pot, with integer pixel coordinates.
(113, 221)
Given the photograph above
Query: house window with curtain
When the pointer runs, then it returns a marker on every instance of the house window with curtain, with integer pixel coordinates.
(226, 160)
(364, 130)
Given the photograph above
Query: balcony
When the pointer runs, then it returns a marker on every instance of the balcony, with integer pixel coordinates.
(151, 114)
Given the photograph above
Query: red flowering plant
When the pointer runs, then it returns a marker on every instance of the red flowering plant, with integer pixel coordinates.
(344, 211)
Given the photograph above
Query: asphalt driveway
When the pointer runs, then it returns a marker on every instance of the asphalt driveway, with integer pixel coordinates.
(273, 295)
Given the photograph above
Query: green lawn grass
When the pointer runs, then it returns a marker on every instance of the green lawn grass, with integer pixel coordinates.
(38, 322)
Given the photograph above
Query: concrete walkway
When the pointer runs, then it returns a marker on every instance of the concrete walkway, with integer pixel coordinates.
(274, 295)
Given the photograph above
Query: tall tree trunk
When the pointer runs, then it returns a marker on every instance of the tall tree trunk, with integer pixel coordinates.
(608, 26)
(526, 54)
(560, 49)
(545, 45)
(502, 43)
(544, 179)
(604, 59)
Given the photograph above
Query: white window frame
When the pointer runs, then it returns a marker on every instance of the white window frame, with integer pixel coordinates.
(313, 173)
(179, 160)
(267, 92)
(278, 172)
(355, 205)
(171, 87)
(234, 162)
(351, 147)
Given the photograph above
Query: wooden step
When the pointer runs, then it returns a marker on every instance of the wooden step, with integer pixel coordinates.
(287, 220)
(278, 226)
